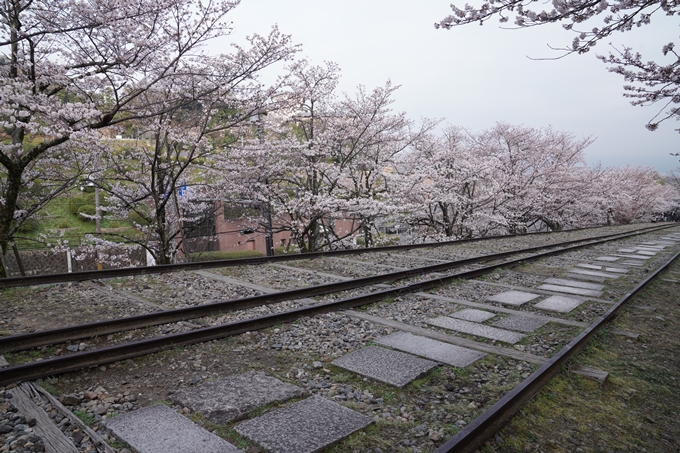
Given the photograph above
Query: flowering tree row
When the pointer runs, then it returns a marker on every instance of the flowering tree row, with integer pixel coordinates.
(332, 168)
(514, 179)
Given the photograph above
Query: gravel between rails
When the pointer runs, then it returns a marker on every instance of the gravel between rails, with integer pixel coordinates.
(181, 289)
(300, 353)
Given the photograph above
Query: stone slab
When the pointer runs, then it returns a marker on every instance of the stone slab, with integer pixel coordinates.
(159, 429)
(235, 397)
(571, 290)
(586, 277)
(646, 253)
(520, 323)
(589, 266)
(431, 349)
(472, 314)
(651, 248)
(593, 273)
(616, 270)
(479, 330)
(307, 426)
(647, 243)
(626, 250)
(607, 258)
(575, 284)
(632, 263)
(392, 367)
(3, 362)
(625, 333)
(593, 374)
(513, 297)
(636, 257)
(560, 304)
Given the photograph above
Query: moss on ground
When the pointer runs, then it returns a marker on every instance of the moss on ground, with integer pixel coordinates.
(638, 409)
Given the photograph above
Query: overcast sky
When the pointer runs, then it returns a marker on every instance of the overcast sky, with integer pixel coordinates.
(475, 76)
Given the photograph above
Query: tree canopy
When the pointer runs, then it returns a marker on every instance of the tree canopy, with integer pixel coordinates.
(648, 82)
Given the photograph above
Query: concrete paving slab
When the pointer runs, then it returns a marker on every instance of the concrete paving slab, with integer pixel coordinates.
(513, 297)
(571, 290)
(472, 314)
(667, 243)
(632, 263)
(575, 284)
(648, 243)
(560, 304)
(520, 323)
(431, 349)
(392, 367)
(593, 374)
(636, 257)
(607, 258)
(589, 266)
(646, 253)
(589, 278)
(479, 330)
(651, 248)
(626, 250)
(159, 429)
(668, 238)
(625, 333)
(235, 397)
(307, 426)
(616, 270)
(593, 273)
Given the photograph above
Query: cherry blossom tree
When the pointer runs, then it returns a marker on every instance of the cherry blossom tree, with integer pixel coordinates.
(70, 69)
(322, 159)
(448, 188)
(506, 179)
(638, 194)
(189, 120)
(649, 82)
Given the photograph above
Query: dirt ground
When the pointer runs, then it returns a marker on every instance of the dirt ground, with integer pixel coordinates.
(638, 410)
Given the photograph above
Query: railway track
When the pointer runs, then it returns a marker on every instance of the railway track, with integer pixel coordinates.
(346, 293)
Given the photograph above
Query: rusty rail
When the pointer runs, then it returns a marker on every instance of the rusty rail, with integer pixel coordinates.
(31, 280)
(105, 355)
(488, 423)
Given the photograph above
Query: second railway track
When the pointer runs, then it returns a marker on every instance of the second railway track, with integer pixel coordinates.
(409, 308)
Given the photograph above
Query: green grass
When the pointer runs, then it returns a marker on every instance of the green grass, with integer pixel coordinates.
(55, 219)
(85, 417)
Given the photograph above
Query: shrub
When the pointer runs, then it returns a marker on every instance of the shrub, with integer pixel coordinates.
(135, 218)
(29, 226)
(216, 256)
(285, 250)
(86, 209)
(76, 202)
(380, 240)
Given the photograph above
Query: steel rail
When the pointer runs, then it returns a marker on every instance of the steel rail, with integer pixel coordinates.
(60, 335)
(473, 436)
(80, 360)
(13, 282)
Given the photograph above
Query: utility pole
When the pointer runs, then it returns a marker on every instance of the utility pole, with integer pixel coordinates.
(266, 209)
(98, 224)
(268, 236)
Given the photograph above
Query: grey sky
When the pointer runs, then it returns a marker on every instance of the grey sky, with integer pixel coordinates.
(474, 76)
